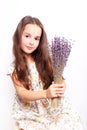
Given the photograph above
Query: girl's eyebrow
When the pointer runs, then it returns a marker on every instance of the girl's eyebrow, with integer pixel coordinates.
(27, 33)
(31, 35)
(38, 36)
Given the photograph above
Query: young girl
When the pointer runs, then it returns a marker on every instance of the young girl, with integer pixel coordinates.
(32, 76)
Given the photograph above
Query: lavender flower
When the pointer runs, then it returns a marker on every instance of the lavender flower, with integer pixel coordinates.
(60, 50)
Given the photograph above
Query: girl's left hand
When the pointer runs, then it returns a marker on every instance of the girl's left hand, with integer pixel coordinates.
(61, 89)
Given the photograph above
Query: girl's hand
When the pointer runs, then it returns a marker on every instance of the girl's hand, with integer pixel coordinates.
(62, 87)
(56, 90)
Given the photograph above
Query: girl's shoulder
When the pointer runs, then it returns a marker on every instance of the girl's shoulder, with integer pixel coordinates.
(10, 68)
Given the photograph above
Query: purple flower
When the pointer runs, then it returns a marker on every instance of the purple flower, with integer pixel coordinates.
(60, 50)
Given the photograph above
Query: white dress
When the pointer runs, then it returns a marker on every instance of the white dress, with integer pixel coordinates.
(39, 115)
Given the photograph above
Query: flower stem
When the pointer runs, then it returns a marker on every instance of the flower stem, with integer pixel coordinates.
(56, 101)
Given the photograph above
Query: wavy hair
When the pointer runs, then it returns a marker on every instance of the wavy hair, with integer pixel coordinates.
(41, 55)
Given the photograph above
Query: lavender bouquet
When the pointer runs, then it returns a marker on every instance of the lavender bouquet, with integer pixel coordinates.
(60, 50)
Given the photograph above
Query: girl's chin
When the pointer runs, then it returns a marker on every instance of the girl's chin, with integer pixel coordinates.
(28, 52)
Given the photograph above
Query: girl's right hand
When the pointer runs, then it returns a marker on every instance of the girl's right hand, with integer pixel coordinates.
(55, 90)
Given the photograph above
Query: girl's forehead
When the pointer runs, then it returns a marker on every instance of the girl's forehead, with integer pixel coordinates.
(33, 29)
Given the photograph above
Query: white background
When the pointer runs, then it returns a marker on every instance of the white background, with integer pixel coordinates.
(62, 17)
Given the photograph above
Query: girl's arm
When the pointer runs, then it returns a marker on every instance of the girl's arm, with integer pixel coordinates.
(29, 95)
(54, 90)
(25, 94)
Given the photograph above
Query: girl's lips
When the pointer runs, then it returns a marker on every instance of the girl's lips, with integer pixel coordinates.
(30, 48)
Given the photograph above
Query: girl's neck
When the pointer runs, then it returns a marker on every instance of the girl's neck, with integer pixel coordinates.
(29, 59)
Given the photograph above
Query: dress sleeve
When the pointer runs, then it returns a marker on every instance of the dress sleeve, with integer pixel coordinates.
(10, 69)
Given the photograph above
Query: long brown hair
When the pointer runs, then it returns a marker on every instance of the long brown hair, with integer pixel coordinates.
(40, 55)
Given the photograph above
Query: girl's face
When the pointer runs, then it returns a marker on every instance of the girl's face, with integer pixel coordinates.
(30, 38)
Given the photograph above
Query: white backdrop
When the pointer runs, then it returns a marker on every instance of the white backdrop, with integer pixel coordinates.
(64, 18)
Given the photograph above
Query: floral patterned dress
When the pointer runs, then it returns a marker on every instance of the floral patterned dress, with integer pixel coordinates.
(39, 115)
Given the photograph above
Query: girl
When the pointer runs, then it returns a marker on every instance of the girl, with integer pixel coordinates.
(32, 76)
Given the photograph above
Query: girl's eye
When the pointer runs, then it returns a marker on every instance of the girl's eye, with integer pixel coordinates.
(26, 36)
(37, 38)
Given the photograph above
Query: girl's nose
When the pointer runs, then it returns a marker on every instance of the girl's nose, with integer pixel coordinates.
(31, 41)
